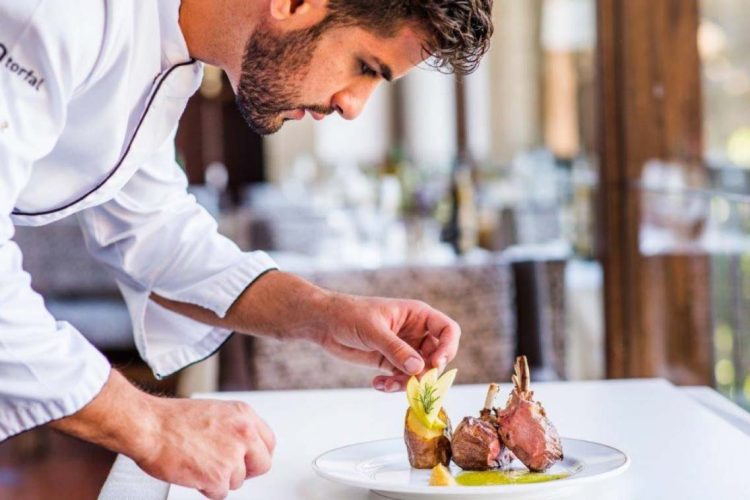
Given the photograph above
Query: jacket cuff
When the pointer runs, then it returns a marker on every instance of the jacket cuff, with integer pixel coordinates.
(168, 341)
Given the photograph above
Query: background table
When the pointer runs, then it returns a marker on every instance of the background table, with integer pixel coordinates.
(684, 443)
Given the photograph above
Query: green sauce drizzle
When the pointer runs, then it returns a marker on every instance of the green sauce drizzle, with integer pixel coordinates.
(497, 477)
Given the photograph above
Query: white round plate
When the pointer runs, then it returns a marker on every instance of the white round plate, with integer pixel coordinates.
(383, 467)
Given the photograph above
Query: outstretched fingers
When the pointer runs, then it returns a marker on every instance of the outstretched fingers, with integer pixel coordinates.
(372, 359)
(390, 383)
(448, 334)
(397, 352)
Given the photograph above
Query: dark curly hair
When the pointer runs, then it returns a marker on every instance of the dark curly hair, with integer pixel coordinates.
(458, 31)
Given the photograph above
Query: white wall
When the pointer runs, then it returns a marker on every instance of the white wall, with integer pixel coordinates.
(362, 141)
(514, 67)
(430, 112)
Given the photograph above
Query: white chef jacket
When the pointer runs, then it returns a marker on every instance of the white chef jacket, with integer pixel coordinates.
(90, 95)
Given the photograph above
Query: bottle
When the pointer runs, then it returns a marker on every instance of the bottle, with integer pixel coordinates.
(462, 229)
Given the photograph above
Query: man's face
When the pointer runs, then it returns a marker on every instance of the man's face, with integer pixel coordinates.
(286, 74)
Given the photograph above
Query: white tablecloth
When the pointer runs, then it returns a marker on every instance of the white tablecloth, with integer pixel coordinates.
(688, 443)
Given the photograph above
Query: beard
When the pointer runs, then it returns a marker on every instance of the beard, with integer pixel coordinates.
(273, 66)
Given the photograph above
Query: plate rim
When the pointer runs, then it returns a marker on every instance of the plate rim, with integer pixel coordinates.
(478, 490)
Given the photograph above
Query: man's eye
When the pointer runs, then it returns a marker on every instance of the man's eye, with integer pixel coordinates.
(367, 70)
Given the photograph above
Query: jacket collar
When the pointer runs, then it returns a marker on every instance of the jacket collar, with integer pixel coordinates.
(174, 46)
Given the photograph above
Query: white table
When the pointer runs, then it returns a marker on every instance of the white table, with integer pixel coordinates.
(688, 443)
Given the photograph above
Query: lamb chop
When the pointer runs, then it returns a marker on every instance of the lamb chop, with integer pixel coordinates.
(475, 443)
(524, 427)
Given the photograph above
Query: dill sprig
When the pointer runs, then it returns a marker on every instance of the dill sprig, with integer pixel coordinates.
(427, 398)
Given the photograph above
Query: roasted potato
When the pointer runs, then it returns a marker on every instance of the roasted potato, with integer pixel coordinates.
(427, 447)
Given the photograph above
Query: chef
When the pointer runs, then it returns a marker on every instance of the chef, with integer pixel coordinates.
(91, 92)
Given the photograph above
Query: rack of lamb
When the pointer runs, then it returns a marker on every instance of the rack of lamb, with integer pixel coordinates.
(476, 444)
(524, 427)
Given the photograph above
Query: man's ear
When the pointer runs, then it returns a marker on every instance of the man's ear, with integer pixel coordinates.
(285, 9)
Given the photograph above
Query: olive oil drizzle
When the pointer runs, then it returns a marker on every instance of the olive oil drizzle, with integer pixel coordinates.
(499, 477)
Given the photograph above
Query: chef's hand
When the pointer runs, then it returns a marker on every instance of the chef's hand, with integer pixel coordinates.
(212, 446)
(402, 337)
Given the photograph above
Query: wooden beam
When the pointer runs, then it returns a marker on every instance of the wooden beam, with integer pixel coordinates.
(189, 147)
(657, 308)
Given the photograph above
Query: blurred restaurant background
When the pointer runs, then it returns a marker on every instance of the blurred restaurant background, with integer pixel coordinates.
(583, 198)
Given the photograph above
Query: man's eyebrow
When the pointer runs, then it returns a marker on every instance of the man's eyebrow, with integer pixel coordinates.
(384, 70)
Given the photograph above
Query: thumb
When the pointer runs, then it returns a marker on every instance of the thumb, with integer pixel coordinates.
(401, 355)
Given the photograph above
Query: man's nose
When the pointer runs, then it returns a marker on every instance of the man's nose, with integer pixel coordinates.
(350, 102)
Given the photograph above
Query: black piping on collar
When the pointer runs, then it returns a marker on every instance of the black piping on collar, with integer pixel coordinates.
(124, 155)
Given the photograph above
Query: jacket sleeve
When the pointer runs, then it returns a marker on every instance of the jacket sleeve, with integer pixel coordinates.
(47, 369)
(158, 239)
